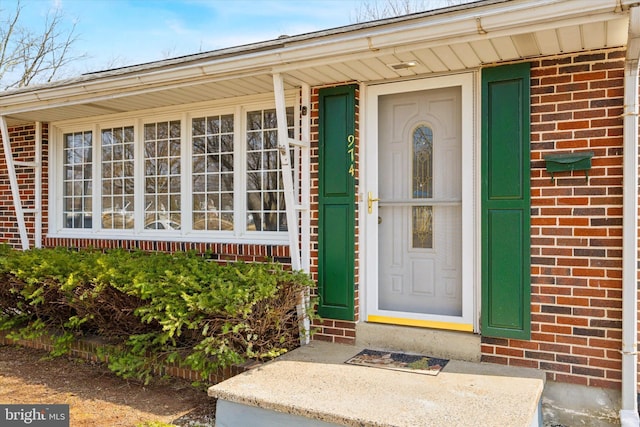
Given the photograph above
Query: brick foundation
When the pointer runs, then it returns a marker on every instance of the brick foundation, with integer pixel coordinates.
(223, 252)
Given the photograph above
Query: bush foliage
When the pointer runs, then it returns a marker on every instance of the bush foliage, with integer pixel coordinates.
(152, 308)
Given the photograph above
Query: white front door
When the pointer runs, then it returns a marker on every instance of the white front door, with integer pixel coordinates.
(419, 186)
(420, 215)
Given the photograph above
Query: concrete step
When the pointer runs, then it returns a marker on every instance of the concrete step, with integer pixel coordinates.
(566, 405)
(313, 387)
(434, 342)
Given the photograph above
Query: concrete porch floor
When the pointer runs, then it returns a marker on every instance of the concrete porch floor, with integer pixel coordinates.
(312, 386)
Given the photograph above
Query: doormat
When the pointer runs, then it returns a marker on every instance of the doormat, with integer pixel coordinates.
(399, 362)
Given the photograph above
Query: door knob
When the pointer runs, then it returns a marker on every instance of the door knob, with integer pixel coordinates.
(370, 201)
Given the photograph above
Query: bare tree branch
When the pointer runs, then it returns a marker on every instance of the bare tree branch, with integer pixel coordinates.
(169, 52)
(27, 56)
(371, 10)
(7, 55)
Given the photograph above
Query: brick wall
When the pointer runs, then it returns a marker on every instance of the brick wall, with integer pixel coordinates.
(576, 225)
(227, 252)
(330, 330)
(23, 147)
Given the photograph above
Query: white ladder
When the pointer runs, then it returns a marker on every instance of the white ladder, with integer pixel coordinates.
(296, 195)
(36, 165)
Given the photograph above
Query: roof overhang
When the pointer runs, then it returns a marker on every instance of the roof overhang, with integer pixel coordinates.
(446, 40)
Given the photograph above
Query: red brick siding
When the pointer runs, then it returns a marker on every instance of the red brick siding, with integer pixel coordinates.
(332, 330)
(576, 225)
(227, 252)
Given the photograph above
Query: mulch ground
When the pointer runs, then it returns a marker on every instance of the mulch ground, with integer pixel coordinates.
(96, 397)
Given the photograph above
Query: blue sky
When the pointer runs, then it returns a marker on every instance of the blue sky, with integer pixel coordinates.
(124, 32)
(116, 33)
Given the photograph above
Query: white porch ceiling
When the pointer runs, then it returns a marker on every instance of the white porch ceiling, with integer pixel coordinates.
(466, 37)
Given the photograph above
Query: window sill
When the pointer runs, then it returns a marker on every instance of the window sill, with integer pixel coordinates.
(253, 237)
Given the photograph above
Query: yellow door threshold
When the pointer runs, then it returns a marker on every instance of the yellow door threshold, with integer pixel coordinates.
(420, 323)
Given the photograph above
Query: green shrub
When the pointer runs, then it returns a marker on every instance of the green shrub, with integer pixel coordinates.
(153, 308)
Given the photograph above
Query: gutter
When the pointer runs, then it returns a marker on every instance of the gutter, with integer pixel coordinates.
(629, 409)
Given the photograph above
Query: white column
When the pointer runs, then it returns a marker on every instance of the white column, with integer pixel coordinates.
(305, 177)
(287, 179)
(38, 187)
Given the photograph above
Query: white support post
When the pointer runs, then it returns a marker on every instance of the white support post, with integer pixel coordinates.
(287, 179)
(13, 181)
(305, 178)
(298, 202)
(305, 203)
(38, 187)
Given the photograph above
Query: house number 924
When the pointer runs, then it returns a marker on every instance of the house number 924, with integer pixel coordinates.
(351, 147)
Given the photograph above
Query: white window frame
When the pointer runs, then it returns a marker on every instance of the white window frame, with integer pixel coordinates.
(244, 111)
(98, 147)
(238, 107)
(63, 180)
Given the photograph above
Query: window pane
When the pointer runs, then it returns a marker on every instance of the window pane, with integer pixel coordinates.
(174, 184)
(213, 163)
(149, 131)
(422, 183)
(162, 176)
(174, 148)
(198, 164)
(77, 188)
(422, 226)
(197, 127)
(212, 159)
(227, 123)
(227, 143)
(254, 141)
(227, 183)
(199, 221)
(213, 125)
(254, 181)
(422, 162)
(254, 120)
(213, 183)
(265, 211)
(254, 161)
(162, 131)
(270, 139)
(198, 145)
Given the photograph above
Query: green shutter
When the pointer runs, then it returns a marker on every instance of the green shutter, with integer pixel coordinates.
(336, 203)
(506, 202)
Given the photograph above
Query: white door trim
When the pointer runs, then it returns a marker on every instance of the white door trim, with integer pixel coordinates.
(369, 177)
